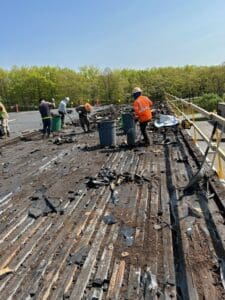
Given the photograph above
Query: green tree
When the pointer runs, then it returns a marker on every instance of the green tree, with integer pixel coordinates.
(25, 85)
(208, 101)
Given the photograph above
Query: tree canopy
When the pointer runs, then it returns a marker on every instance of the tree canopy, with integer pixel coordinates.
(25, 85)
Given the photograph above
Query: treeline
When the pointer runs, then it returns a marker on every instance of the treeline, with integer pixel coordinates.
(25, 85)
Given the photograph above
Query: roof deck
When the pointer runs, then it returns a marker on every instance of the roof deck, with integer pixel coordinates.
(54, 236)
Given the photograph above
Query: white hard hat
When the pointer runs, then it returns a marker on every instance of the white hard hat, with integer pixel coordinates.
(67, 98)
(137, 90)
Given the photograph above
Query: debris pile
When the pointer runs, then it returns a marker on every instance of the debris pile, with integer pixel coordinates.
(43, 205)
(107, 176)
(62, 140)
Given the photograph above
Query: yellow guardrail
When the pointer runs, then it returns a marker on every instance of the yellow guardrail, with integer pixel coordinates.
(187, 110)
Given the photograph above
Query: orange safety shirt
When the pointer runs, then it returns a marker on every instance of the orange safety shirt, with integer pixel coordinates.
(142, 108)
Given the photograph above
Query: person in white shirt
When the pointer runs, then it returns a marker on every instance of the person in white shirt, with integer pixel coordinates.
(62, 109)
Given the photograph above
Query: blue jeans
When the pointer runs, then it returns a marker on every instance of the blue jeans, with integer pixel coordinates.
(47, 126)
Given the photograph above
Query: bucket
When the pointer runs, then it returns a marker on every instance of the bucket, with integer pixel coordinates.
(107, 133)
(56, 123)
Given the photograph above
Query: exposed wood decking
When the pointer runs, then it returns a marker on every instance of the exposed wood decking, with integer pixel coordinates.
(172, 244)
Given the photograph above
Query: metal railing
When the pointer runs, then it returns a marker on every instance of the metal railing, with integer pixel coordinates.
(187, 110)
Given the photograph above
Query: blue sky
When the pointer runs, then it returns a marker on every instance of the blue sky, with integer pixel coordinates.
(136, 34)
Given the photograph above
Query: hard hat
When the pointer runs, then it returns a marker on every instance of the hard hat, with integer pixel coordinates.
(137, 90)
(67, 98)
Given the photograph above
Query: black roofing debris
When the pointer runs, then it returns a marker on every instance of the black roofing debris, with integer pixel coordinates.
(109, 219)
(107, 176)
(98, 282)
(94, 183)
(114, 196)
(5, 165)
(26, 138)
(35, 150)
(222, 270)
(73, 195)
(79, 256)
(36, 196)
(43, 205)
(109, 112)
(127, 233)
(62, 140)
(150, 285)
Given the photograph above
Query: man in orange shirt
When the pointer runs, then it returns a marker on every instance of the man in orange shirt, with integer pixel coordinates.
(83, 111)
(142, 108)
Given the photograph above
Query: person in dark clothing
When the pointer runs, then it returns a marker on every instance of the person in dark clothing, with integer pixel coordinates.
(44, 109)
(83, 117)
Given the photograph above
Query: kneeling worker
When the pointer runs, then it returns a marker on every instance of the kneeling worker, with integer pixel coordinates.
(83, 111)
(4, 119)
(142, 108)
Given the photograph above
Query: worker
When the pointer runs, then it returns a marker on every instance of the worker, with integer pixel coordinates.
(44, 108)
(83, 111)
(4, 119)
(142, 108)
(88, 107)
(62, 109)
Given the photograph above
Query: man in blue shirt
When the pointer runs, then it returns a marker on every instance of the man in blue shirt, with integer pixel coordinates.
(44, 108)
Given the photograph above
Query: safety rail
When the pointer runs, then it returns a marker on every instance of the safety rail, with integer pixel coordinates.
(187, 110)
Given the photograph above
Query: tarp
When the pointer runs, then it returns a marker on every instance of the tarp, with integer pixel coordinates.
(165, 121)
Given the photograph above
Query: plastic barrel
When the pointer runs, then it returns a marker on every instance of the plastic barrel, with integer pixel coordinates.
(129, 128)
(127, 121)
(121, 122)
(107, 133)
(131, 135)
(56, 123)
